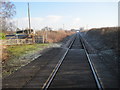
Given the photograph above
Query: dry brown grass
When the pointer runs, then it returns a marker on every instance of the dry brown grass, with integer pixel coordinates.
(104, 38)
(4, 54)
(54, 36)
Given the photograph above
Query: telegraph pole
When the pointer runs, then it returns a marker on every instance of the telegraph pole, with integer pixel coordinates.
(46, 33)
(30, 31)
(29, 19)
(63, 26)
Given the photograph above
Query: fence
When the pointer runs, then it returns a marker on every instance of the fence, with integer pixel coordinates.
(21, 41)
(16, 41)
(39, 39)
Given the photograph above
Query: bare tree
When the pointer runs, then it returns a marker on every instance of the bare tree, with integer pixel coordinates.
(47, 29)
(7, 11)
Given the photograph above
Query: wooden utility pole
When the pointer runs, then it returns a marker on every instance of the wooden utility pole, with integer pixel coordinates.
(29, 19)
(30, 31)
(63, 26)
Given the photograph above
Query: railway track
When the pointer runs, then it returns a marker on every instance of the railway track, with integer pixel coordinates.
(74, 69)
(63, 68)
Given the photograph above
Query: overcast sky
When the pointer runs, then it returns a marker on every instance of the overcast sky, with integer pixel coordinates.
(71, 14)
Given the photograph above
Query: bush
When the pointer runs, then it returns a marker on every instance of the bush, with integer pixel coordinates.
(2, 36)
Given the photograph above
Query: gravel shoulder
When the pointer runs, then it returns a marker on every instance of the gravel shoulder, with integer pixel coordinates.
(103, 50)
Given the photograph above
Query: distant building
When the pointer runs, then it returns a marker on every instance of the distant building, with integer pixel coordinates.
(27, 31)
(82, 28)
(21, 34)
(15, 36)
(77, 30)
(72, 29)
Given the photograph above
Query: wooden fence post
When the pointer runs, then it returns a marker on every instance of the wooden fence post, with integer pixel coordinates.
(43, 38)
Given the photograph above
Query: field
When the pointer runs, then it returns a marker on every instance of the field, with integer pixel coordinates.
(54, 36)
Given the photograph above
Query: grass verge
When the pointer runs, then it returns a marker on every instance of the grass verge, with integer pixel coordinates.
(17, 51)
(20, 55)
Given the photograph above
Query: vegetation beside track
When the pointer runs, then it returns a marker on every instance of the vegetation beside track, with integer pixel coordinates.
(19, 50)
(19, 55)
(103, 38)
(16, 56)
(2, 35)
(105, 41)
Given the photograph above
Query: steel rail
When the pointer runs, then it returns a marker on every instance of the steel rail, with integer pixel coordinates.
(99, 84)
(55, 70)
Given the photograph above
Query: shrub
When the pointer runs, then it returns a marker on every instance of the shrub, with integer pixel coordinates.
(2, 36)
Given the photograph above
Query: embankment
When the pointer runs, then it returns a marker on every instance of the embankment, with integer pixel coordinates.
(105, 41)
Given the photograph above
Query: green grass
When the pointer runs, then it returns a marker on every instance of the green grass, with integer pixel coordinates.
(16, 51)
(2, 35)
